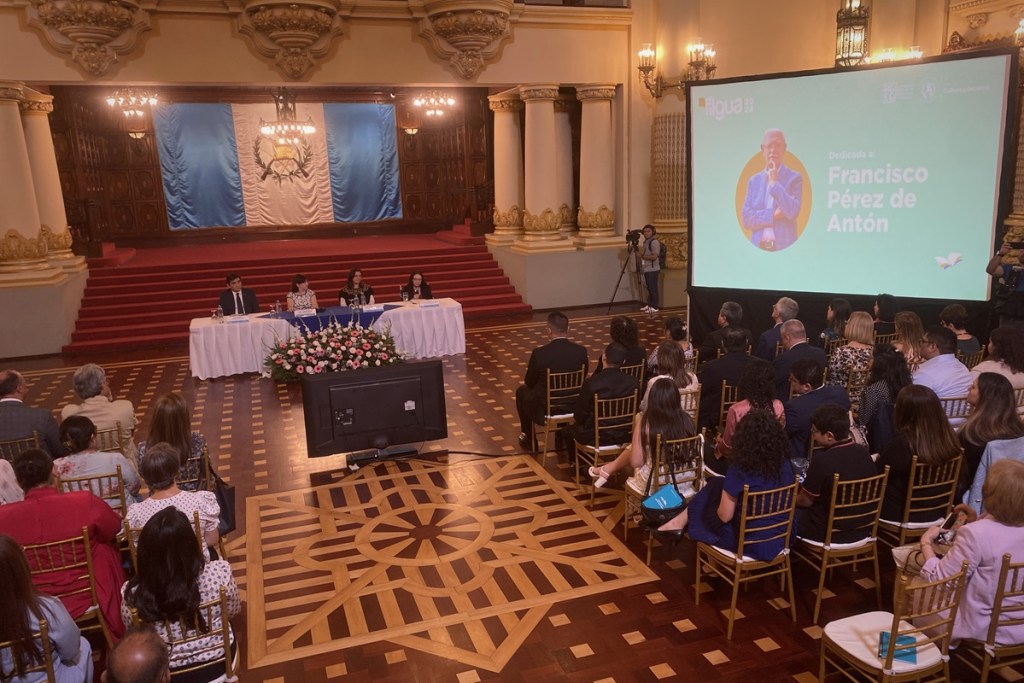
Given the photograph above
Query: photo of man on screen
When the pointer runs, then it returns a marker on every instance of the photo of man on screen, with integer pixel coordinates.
(773, 197)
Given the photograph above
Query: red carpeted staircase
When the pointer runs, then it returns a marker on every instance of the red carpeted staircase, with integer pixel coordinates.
(151, 299)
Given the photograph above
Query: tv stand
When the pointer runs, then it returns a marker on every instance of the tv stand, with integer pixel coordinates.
(357, 458)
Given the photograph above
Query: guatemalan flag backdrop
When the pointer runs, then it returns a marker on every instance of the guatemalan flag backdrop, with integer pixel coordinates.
(212, 174)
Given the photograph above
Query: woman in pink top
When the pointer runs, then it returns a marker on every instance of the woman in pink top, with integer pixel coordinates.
(756, 390)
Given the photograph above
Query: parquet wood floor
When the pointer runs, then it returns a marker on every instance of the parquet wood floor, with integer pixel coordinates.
(468, 563)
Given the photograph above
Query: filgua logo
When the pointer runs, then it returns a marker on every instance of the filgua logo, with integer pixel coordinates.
(718, 109)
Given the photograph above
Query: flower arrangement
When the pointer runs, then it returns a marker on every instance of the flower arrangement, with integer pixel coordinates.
(333, 348)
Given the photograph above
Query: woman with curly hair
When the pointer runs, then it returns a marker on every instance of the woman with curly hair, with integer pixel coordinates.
(625, 331)
(921, 429)
(665, 417)
(993, 427)
(760, 460)
(909, 336)
(837, 314)
(756, 391)
(1005, 355)
(954, 317)
(856, 353)
(25, 607)
(173, 580)
(887, 375)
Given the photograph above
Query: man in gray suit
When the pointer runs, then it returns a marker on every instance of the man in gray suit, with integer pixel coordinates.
(19, 421)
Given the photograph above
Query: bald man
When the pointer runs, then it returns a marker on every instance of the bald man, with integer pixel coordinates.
(139, 657)
(773, 197)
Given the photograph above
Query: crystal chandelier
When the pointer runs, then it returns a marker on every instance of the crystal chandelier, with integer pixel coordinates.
(286, 131)
(289, 139)
(434, 103)
(132, 102)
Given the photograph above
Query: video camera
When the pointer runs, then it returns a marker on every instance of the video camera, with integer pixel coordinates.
(633, 238)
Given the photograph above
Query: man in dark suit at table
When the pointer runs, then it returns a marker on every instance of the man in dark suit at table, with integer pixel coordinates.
(558, 355)
(238, 300)
(19, 421)
(795, 347)
(610, 382)
(728, 368)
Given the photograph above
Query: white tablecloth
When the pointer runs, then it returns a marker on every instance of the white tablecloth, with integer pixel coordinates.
(231, 348)
(426, 331)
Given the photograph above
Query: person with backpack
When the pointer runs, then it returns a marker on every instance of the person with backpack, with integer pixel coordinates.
(652, 260)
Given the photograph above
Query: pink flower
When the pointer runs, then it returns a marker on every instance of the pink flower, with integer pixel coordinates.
(366, 346)
(299, 369)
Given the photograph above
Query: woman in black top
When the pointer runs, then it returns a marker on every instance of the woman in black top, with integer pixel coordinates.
(417, 288)
(355, 289)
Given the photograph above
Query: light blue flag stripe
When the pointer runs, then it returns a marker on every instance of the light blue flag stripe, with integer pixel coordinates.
(362, 152)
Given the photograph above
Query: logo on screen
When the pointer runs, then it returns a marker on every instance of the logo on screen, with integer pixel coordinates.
(893, 92)
(719, 109)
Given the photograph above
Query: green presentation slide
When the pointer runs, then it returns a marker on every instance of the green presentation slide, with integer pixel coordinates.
(859, 182)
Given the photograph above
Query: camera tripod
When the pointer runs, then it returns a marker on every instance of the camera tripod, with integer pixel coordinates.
(638, 278)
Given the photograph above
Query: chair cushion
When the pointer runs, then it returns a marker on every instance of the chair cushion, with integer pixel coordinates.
(858, 636)
(728, 554)
(864, 542)
(911, 525)
(560, 416)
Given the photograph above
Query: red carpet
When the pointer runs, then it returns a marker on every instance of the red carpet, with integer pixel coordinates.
(150, 299)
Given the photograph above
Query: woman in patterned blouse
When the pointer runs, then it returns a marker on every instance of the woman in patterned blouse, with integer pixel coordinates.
(856, 353)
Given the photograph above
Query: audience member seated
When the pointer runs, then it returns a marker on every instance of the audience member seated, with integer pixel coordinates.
(171, 423)
(86, 460)
(355, 290)
(982, 542)
(664, 416)
(954, 316)
(856, 353)
(782, 310)
(796, 347)
(10, 492)
(809, 393)
(172, 581)
(160, 472)
(1005, 355)
(558, 355)
(609, 382)
(941, 371)
(760, 460)
(836, 315)
(98, 404)
(140, 657)
(728, 368)
(46, 516)
(887, 375)
(729, 318)
(301, 297)
(995, 452)
(417, 288)
(993, 421)
(673, 365)
(756, 391)
(24, 608)
(675, 332)
(835, 452)
(910, 336)
(885, 314)
(921, 429)
(624, 331)
(19, 421)
(236, 299)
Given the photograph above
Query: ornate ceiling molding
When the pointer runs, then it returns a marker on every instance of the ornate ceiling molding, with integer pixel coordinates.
(295, 33)
(467, 33)
(94, 32)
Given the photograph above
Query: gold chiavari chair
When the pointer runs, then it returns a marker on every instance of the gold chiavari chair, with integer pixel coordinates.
(109, 487)
(113, 439)
(1007, 612)
(929, 495)
(45, 666)
(562, 390)
(970, 359)
(12, 447)
(612, 416)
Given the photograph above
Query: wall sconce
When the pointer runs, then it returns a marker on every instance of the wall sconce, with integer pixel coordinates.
(851, 33)
(410, 130)
(701, 67)
(1018, 35)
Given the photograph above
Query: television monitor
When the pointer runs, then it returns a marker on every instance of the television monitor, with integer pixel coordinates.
(374, 408)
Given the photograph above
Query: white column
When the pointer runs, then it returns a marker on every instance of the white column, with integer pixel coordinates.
(508, 169)
(35, 121)
(596, 216)
(22, 248)
(563, 166)
(541, 217)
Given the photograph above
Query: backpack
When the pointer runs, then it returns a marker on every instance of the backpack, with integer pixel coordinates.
(662, 253)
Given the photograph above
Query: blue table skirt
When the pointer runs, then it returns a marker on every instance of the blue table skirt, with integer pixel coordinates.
(324, 316)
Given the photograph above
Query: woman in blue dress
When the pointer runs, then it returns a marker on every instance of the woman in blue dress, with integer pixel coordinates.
(760, 460)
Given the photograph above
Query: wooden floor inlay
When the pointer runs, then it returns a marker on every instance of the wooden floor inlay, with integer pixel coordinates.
(461, 560)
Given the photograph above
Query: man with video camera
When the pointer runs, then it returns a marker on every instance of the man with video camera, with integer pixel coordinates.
(651, 268)
(1009, 295)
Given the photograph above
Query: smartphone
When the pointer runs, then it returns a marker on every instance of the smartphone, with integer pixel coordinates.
(1016, 245)
(950, 521)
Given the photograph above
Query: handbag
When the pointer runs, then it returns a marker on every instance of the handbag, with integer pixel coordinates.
(225, 493)
(664, 504)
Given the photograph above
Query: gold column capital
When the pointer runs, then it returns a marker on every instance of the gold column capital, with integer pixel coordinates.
(538, 92)
(505, 103)
(595, 92)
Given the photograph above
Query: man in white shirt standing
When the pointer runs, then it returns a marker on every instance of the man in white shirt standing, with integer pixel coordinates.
(651, 266)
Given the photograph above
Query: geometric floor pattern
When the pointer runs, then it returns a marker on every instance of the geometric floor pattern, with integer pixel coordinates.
(458, 560)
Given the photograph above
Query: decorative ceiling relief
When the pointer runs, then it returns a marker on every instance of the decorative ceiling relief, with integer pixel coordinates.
(296, 34)
(467, 33)
(94, 32)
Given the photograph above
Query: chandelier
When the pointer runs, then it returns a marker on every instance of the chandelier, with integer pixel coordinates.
(289, 139)
(132, 102)
(434, 103)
